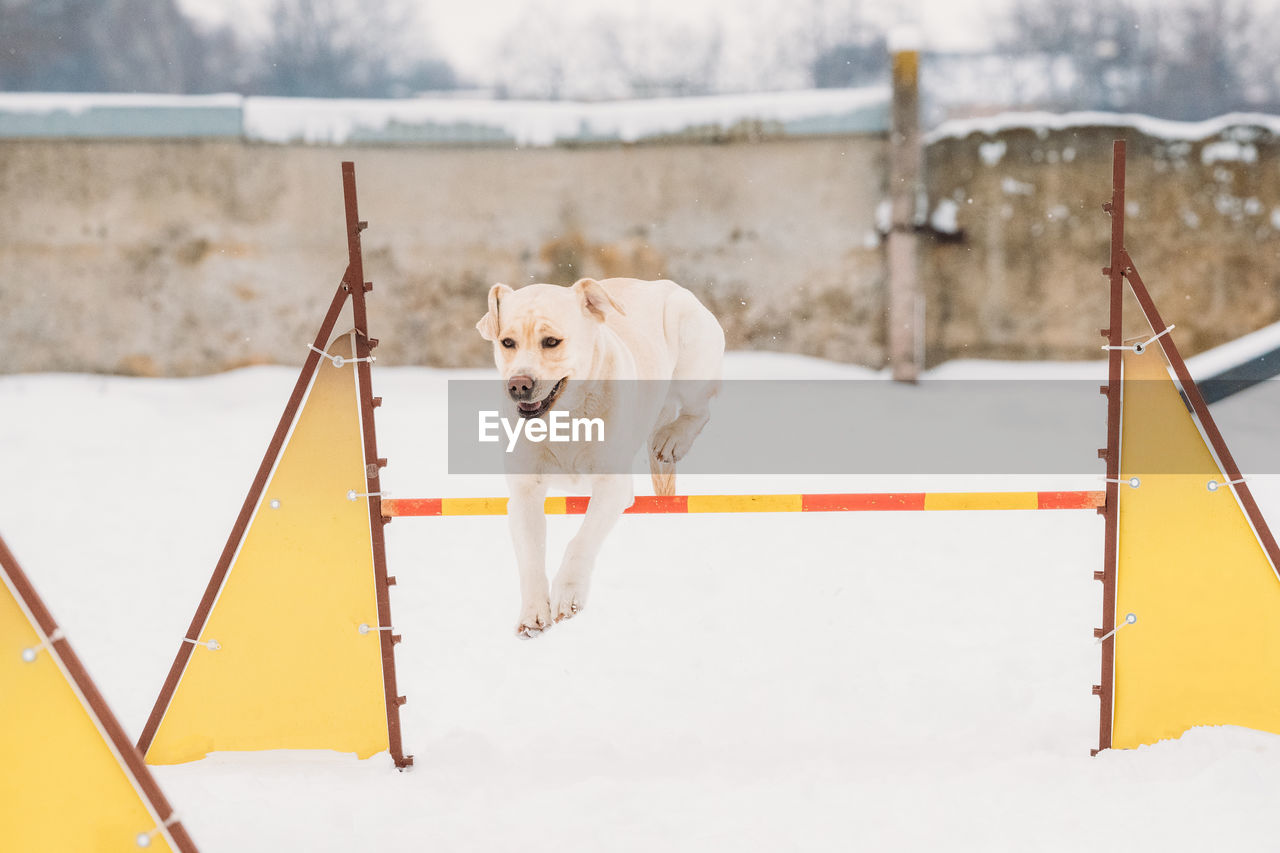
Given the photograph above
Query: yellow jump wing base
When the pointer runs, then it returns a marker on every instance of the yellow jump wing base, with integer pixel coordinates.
(69, 778)
(292, 667)
(1204, 646)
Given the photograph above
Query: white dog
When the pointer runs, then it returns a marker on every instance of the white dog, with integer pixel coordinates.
(567, 347)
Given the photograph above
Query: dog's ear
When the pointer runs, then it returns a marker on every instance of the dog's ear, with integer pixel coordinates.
(488, 325)
(596, 301)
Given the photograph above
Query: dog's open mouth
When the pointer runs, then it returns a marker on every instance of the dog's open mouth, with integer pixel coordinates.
(537, 408)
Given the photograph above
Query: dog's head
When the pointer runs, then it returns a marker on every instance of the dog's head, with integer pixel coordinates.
(544, 337)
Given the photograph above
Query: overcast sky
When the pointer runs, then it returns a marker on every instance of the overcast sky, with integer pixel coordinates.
(469, 33)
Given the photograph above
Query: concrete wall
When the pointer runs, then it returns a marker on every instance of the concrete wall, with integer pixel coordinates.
(188, 257)
(177, 258)
(1023, 278)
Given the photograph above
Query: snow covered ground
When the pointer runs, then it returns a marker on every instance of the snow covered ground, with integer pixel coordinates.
(877, 681)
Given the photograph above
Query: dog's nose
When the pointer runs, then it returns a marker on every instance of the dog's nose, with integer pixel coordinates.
(520, 387)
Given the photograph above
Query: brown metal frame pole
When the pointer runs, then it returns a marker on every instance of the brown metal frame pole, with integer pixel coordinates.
(131, 757)
(372, 463)
(1111, 453)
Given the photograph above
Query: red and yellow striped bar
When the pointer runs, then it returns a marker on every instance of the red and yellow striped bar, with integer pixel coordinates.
(863, 502)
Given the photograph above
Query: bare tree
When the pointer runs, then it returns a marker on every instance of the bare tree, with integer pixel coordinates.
(836, 43)
(1207, 56)
(115, 45)
(1184, 59)
(658, 58)
(148, 45)
(857, 62)
(608, 56)
(46, 46)
(535, 55)
(347, 48)
(310, 52)
(1104, 41)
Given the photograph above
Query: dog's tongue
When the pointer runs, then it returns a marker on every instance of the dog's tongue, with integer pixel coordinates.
(529, 407)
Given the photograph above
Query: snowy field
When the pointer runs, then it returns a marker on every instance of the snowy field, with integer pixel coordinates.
(845, 681)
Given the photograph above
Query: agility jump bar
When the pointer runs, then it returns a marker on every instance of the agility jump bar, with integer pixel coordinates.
(856, 502)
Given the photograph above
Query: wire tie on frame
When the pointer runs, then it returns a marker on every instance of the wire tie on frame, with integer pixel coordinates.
(1140, 348)
(1214, 485)
(29, 654)
(338, 360)
(1132, 482)
(366, 628)
(1128, 620)
(213, 645)
(352, 494)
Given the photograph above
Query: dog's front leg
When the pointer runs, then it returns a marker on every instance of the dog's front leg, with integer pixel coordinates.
(528, 523)
(610, 496)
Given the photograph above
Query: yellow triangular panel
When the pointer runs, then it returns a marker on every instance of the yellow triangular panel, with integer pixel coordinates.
(292, 669)
(1204, 646)
(62, 785)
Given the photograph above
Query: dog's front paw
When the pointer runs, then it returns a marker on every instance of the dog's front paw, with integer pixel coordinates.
(535, 617)
(567, 599)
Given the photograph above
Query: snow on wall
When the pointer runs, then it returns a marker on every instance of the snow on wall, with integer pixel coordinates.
(544, 123)
(1241, 124)
(78, 103)
(443, 120)
(98, 116)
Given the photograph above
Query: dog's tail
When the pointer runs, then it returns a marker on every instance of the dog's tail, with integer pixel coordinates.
(664, 476)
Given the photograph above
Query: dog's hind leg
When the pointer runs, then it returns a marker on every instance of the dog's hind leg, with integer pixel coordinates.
(663, 475)
(673, 438)
(695, 379)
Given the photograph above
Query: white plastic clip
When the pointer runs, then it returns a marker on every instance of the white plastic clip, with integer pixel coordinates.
(143, 839)
(338, 360)
(1128, 620)
(354, 495)
(29, 654)
(366, 628)
(213, 645)
(1214, 485)
(1139, 349)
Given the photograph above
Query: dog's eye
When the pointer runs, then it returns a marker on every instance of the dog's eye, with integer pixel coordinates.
(508, 343)
(551, 343)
